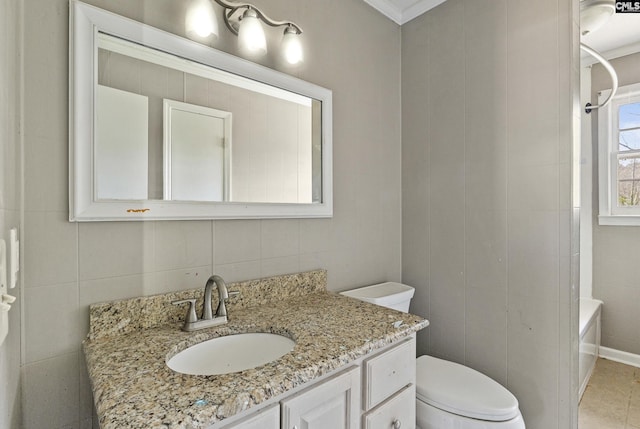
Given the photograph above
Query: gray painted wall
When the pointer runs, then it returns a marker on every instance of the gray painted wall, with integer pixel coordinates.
(616, 249)
(10, 13)
(488, 214)
(350, 49)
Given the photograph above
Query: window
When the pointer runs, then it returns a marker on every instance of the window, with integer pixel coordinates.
(619, 158)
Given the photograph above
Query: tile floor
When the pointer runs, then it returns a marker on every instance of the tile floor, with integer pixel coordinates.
(612, 397)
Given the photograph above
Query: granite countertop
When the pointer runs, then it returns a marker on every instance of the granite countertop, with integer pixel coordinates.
(133, 387)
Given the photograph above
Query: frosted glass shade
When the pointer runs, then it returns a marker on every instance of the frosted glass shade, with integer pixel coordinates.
(291, 46)
(251, 34)
(200, 21)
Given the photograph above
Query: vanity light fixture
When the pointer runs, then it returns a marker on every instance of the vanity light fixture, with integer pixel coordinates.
(245, 21)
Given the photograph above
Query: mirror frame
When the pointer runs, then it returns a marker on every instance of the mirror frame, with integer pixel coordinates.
(84, 25)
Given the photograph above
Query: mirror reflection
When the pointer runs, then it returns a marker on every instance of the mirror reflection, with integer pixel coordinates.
(172, 129)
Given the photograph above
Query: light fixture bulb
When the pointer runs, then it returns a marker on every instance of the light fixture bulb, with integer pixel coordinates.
(251, 35)
(201, 22)
(291, 46)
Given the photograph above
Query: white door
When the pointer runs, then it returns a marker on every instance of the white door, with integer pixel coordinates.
(332, 404)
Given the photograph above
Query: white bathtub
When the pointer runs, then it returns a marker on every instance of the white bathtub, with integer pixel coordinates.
(590, 310)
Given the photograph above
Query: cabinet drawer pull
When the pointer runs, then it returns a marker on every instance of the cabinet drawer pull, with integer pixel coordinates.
(397, 424)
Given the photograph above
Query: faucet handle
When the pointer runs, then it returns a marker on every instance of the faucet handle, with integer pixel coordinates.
(191, 312)
(234, 293)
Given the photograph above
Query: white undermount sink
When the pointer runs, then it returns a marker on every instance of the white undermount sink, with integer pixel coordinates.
(233, 353)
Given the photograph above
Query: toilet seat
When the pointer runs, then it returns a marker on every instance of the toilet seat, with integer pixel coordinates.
(463, 391)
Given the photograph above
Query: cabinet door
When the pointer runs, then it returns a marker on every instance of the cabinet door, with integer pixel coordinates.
(268, 418)
(332, 404)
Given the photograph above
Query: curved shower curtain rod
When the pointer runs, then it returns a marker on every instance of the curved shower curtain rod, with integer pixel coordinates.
(614, 77)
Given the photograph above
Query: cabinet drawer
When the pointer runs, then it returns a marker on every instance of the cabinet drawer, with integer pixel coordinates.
(268, 418)
(389, 372)
(399, 411)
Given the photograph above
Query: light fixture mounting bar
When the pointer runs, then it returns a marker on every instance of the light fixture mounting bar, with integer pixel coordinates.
(232, 7)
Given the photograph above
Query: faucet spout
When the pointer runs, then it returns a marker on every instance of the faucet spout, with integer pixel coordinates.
(223, 294)
(207, 314)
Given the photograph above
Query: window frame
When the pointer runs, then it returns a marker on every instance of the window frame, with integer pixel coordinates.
(608, 142)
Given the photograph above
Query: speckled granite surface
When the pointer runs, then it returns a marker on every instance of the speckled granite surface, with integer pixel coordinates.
(133, 387)
(130, 315)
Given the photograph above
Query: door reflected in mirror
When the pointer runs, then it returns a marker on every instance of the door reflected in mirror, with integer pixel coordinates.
(197, 153)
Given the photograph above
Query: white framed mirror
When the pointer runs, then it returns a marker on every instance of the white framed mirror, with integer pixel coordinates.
(162, 127)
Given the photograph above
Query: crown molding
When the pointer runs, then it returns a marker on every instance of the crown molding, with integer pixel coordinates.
(403, 15)
(388, 9)
(419, 8)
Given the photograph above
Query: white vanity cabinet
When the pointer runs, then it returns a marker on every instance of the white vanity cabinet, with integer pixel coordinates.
(374, 392)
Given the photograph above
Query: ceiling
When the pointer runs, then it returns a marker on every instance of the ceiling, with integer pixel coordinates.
(618, 37)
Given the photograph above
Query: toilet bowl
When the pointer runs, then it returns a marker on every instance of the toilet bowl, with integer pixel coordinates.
(448, 395)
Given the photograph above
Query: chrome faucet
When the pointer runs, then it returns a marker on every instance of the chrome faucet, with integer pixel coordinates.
(223, 294)
(192, 323)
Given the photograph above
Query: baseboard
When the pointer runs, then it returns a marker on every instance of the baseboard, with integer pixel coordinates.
(620, 356)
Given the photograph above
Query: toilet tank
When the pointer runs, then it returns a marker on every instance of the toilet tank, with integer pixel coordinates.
(390, 294)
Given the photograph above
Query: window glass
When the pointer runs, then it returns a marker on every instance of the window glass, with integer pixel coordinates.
(629, 116)
(629, 180)
(629, 140)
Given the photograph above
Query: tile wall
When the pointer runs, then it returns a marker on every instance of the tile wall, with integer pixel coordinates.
(10, 13)
(489, 216)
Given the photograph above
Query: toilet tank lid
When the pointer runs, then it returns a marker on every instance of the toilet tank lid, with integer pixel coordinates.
(463, 391)
(382, 293)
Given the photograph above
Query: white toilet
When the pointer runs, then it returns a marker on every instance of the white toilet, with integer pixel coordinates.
(448, 395)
